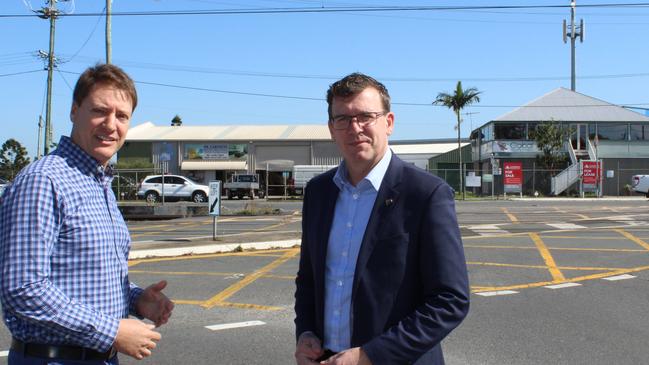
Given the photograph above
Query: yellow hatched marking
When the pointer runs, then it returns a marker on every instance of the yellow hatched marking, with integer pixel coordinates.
(571, 280)
(556, 248)
(547, 257)
(633, 238)
(576, 268)
(234, 288)
(510, 216)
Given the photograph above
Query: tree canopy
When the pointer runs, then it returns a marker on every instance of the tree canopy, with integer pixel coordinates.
(13, 157)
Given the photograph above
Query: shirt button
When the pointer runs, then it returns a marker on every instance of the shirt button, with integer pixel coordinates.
(355, 196)
(337, 312)
(344, 253)
(340, 283)
(349, 224)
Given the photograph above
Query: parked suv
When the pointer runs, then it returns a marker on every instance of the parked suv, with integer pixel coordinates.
(175, 187)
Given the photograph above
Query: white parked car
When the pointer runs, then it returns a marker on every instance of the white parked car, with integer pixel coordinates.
(175, 187)
(640, 184)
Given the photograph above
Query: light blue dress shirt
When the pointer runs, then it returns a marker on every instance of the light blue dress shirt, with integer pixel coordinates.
(353, 208)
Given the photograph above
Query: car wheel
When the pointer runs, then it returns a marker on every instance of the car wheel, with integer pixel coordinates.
(199, 197)
(228, 193)
(151, 196)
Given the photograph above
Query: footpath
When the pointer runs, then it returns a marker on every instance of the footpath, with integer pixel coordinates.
(207, 245)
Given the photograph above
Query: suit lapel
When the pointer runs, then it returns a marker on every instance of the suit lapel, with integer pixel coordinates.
(386, 199)
(328, 199)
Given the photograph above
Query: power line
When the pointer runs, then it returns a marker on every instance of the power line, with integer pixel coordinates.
(20, 73)
(350, 9)
(205, 70)
(322, 99)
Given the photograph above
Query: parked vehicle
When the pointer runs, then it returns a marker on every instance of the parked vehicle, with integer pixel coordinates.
(303, 173)
(640, 184)
(243, 185)
(175, 187)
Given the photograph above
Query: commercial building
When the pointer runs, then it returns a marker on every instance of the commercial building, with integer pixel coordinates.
(598, 130)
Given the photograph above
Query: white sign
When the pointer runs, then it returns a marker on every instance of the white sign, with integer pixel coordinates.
(214, 202)
(473, 181)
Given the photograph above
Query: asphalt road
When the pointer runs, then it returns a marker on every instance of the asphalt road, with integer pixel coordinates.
(562, 282)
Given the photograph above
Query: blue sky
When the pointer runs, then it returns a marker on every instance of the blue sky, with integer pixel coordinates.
(512, 56)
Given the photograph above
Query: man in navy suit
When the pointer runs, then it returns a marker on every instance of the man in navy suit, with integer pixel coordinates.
(382, 276)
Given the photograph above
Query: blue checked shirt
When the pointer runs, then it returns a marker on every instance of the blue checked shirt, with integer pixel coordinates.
(63, 253)
(352, 212)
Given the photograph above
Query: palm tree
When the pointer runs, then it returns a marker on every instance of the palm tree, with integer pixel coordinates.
(457, 101)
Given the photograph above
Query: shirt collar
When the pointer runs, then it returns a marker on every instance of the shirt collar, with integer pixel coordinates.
(375, 176)
(81, 159)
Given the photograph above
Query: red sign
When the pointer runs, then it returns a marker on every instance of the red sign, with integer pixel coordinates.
(590, 172)
(513, 173)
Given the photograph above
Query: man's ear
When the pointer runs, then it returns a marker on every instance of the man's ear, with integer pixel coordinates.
(73, 111)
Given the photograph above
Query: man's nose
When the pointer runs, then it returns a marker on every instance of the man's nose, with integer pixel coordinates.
(354, 125)
(109, 121)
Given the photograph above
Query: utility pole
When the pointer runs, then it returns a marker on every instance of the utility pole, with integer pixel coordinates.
(574, 32)
(108, 31)
(50, 13)
(40, 136)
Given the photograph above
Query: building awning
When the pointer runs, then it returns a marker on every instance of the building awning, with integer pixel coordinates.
(214, 165)
(276, 165)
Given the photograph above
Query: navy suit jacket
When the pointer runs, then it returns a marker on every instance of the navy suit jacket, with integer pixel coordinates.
(410, 286)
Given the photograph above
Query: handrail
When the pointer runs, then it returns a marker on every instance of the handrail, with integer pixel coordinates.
(591, 150)
(571, 151)
(564, 179)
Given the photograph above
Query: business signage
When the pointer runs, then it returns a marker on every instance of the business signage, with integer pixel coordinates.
(591, 171)
(215, 152)
(214, 201)
(513, 177)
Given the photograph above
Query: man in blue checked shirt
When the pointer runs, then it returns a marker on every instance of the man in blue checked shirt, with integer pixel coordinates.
(65, 291)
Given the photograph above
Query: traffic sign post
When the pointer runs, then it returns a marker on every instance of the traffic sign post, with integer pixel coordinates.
(214, 204)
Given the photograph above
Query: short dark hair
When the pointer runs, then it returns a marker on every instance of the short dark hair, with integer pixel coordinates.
(105, 74)
(353, 84)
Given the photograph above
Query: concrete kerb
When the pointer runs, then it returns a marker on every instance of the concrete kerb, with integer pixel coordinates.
(210, 248)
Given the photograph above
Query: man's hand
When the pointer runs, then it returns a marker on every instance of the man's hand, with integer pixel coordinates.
(135, 338)
(308, 349)
(154, 305)
(353, 356)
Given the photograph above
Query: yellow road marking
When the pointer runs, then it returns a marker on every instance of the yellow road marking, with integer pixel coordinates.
(633, 238)
(584, 237)
(571, 280)
(576, 268)
(557, 248)
(285, 277)
(249, 306)
(234, 288)
(183, 301)
(206, 256)
(547, 257)
(183, 273)
(510, 216)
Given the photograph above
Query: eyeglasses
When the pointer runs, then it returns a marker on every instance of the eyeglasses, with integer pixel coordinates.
(365, 119)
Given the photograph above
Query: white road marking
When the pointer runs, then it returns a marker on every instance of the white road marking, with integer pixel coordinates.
(494, 293)
(619, 277)
(227, 326)
(4, 353)
(561, 286)
(487, 229)
(565, 226)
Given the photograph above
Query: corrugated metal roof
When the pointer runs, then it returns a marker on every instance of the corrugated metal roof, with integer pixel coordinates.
(150, 132)
(569, 106)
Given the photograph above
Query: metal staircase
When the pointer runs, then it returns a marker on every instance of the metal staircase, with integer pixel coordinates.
(571, 174)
